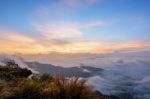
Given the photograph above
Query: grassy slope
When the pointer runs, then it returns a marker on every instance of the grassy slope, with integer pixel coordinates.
(15, 84)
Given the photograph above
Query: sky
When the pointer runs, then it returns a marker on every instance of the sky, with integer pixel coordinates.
(74, 26)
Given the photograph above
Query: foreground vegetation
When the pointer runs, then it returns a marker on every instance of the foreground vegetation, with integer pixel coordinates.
(15, 83)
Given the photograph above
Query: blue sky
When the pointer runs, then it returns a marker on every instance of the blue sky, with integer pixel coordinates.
(84, 20)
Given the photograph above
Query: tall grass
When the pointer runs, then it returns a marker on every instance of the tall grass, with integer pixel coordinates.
(42, 87)
(48, 88)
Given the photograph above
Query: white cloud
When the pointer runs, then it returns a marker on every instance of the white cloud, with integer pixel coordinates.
(79, 2)
(144, 80)
(93, 24)
(59, 30)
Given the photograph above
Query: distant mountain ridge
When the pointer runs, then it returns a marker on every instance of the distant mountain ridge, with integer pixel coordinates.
(41, 68)
(80, 71)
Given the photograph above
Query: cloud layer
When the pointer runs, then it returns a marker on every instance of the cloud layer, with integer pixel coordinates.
(52, 41)
(58, 31)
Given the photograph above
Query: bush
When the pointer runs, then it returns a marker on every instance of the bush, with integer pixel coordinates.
(19, 86)
(46, 77)
(9, 73)
(57, 88)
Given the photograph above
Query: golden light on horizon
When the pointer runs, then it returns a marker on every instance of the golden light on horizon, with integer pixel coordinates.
(25, 45)
(15, 43)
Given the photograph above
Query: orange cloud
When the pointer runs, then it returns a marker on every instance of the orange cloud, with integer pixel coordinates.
(20, 38)
(17, 43)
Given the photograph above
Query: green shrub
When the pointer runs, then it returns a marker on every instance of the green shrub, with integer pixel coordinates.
(58, 88)
(46, 77)
(19, 86)
(9, 73)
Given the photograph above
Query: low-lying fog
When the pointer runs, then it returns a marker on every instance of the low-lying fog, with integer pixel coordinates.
(125, 74)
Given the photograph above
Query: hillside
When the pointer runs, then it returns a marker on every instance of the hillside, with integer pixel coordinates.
(80, 71)
(17, 83)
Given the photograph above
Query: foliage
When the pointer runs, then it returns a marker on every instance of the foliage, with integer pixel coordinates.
(57, 88)
(9, 73)
(19, 86)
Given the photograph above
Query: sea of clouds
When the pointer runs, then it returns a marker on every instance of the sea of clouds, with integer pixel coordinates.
(125, 74)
